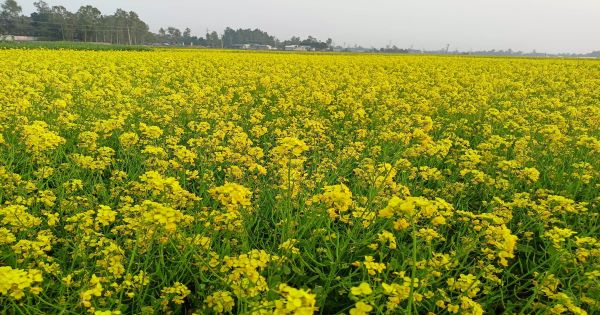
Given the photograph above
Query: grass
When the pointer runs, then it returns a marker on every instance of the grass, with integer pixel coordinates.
(66, 45)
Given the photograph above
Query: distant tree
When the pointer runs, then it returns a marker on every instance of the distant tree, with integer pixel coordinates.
(120, 27)
(139, 29)
(64, 23)
(187, 36)
(310, 42)
(89, 19)
(213, 40)
(41, 7)
(10, 10)
(87, 24)
(295, 40)
(40, 20)
(11, 17)
(123, 27)
(230, 37)
(314, 43)
(174, 34)
(126, 28)
(233, 37)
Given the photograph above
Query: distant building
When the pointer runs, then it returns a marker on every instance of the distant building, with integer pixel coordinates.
(17, 38)
(298, 48)
(241, 46)
(253, 47)
(357, 49)
(261, 47)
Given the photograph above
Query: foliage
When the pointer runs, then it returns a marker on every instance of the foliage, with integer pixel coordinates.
(233, 37)
(88, 24)
(70, 46)
(199, 181)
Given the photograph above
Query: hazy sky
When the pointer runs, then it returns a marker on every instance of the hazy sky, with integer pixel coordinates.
(544, 25)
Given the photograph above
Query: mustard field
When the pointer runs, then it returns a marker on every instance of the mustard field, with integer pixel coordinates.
(218, 182)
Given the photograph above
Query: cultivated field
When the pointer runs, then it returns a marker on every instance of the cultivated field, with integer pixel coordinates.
(260, 183)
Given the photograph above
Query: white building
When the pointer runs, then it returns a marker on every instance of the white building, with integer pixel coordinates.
(17, 38)
(298, 48)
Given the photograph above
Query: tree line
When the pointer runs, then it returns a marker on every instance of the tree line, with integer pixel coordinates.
(89, 24)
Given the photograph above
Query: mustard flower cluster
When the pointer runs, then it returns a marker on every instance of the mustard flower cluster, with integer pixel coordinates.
(187, 181)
